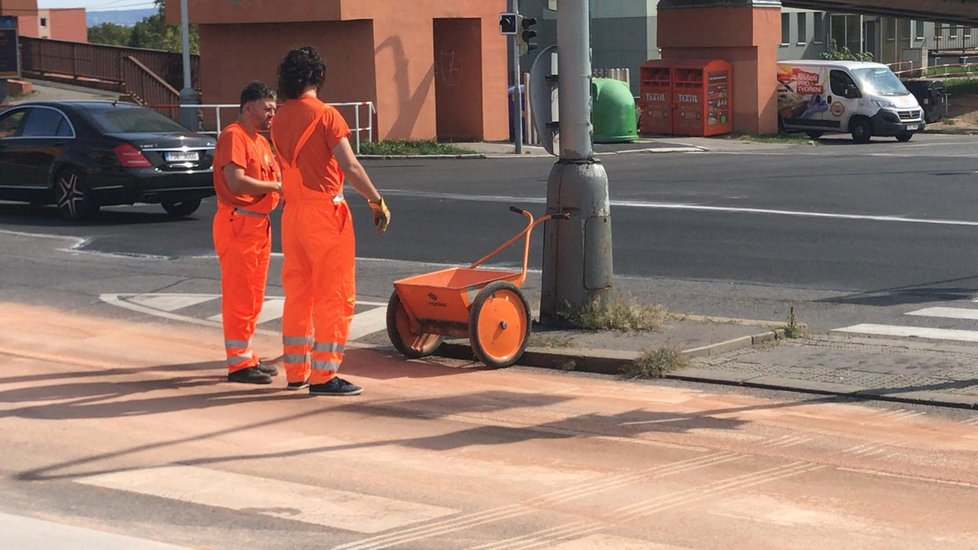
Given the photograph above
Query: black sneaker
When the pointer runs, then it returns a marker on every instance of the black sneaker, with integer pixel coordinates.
(297, 385)
(267, 369)
(336, 386)
(250, 375)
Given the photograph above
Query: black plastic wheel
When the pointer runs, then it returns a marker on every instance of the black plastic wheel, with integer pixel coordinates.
(499, 324)
(72, 196)
(412, 345)
(861, 129)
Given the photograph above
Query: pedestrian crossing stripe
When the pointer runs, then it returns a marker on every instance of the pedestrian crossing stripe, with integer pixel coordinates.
(902, 331)
(871, 329)
(169, 306)
(337, 509)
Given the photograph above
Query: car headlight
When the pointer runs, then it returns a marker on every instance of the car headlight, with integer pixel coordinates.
(885, 104)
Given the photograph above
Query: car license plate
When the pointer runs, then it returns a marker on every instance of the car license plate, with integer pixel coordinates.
(182, 156)
(913, 127)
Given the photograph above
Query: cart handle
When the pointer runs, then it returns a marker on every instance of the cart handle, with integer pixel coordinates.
(525, 233)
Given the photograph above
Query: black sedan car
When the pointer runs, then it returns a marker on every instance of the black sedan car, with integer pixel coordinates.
(80, 155)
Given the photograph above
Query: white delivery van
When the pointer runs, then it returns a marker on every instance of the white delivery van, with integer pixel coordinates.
(856, 97)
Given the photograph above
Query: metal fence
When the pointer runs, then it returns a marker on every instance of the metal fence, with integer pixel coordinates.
(359, 115)
(955, 38)
(98, 64)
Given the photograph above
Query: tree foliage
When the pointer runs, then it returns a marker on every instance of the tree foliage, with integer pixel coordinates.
(845, 54)
(151, 33)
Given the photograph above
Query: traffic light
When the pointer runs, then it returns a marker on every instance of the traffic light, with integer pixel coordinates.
(509, 23)
(527, 34)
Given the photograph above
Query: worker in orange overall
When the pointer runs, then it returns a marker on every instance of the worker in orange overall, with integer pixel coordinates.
(247, 181)
(318, 274)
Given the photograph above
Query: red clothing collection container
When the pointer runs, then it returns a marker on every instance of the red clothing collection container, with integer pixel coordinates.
(686, 97)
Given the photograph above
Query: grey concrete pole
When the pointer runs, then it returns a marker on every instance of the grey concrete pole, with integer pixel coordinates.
(188, 96)
(518, 98)
(577, 260)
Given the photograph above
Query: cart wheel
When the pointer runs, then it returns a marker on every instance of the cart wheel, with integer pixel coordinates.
(499, 324)
(410, 344)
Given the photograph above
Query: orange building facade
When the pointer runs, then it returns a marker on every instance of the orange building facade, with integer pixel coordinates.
(57, 24)
(433, 69)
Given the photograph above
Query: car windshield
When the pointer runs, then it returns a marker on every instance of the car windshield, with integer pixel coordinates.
(132, 120)
(879, 80)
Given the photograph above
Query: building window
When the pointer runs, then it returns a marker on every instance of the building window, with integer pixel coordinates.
(918, 30)
(785, 29)
(802, 28)
(819, 35)
(44, 21)
(954, 32)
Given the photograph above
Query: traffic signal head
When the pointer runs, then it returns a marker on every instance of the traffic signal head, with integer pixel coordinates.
(527, 34)
(509, 23)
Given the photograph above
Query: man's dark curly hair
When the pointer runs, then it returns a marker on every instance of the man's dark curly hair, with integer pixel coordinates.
(254, 91)
(301, 68)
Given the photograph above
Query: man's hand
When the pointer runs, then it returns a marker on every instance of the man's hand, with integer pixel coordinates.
(382, 216)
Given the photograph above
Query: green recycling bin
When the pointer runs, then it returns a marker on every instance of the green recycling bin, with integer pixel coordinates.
(613, 111)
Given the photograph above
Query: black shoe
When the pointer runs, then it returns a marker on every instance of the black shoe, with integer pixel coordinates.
(297, 385)
(250, 375)
(336, 386)
(267, 369)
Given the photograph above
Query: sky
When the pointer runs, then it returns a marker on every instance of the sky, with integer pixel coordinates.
(96, 5)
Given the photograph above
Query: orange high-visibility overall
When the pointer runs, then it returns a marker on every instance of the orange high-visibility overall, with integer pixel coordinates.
(318, 272)
(242, 239)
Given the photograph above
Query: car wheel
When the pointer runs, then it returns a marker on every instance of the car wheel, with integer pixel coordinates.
(904, 137)
(815, 135)
(72, 197)
(181, 208)
(861, 129)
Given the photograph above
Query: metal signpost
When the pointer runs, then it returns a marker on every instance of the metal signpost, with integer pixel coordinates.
(577, 260)
(189, 117)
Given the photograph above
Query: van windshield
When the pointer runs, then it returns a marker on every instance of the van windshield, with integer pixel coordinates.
(879, 80)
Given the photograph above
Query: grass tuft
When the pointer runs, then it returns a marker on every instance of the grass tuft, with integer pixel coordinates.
(656, 364)
(793, 329)
(619, 314)
(404, 147)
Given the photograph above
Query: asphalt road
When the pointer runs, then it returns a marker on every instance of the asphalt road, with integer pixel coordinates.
(834, 217)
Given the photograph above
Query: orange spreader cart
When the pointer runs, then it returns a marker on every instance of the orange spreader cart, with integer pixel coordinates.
(483, 305)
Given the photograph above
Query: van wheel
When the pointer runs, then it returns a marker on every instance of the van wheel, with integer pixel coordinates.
(904, 137)
(815, 135)
(861, 130)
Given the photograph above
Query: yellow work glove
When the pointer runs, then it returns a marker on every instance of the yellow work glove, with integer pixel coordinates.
(382, 216)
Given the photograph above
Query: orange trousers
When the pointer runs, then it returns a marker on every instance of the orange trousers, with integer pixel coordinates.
(242, 239)
(319, 278)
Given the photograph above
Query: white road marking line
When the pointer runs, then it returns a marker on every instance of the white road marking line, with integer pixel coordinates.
(163, 305)
(270, 497)
(906, 332)
(692, 207)
(368, 322)
(271, 310)
(972, 422)
(25, 533)
(946, 312)
(170, 302)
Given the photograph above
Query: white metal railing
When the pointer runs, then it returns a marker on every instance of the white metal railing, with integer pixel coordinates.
(356, 129)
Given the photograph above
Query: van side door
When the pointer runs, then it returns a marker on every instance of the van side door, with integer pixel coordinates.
(843, 100)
